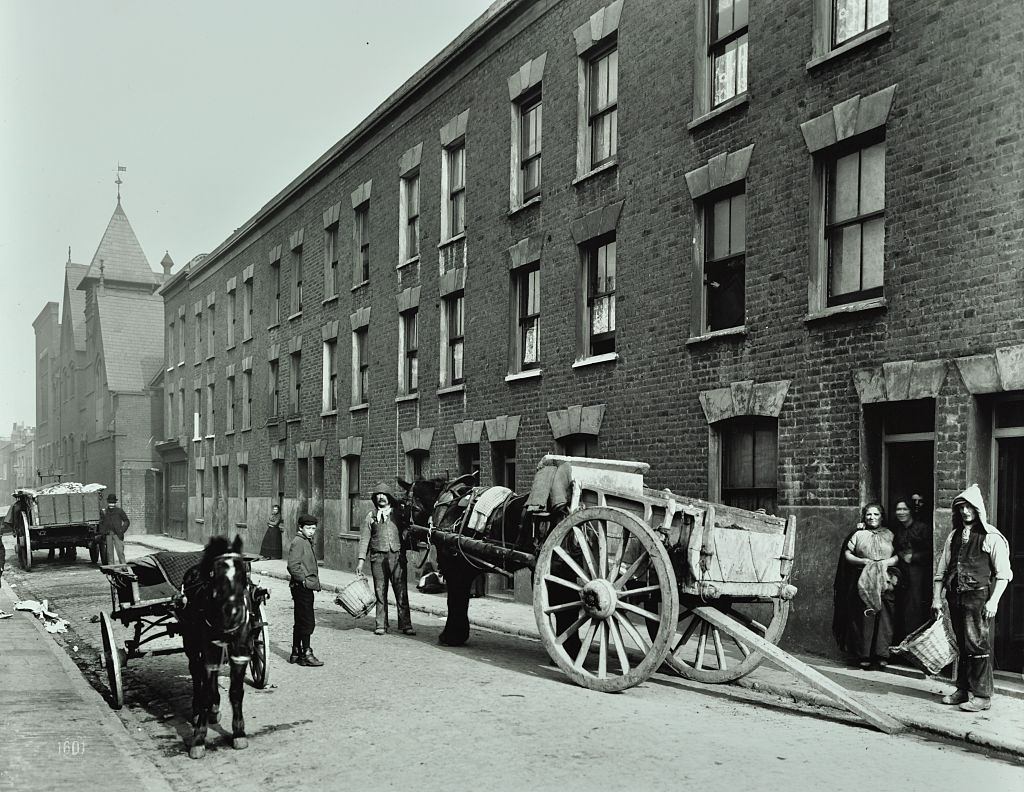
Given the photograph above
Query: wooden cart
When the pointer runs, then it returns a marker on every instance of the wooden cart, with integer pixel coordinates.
(144, 594)
(51, 518)
(635, 578)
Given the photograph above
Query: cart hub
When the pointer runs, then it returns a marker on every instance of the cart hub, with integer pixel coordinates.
(599, 598)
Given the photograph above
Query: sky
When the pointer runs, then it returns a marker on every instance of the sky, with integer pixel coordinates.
(212, 106)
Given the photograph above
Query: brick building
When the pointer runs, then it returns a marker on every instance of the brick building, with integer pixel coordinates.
(787, 275)
(96, 355)
(17, 459)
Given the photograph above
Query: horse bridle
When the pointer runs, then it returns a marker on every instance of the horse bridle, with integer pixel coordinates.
(245, 599)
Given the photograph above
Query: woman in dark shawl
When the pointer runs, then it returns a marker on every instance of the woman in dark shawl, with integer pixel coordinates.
(913, 545)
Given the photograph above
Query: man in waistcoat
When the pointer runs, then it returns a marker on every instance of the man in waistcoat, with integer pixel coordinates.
(381, 538)
(972, 573)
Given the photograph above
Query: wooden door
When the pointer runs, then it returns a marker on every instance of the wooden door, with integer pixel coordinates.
(1009, 519)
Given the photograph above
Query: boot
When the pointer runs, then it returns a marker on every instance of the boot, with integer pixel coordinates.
(295, 655)
(310, 659)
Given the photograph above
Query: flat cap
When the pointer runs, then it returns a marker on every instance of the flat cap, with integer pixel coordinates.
(308, 519)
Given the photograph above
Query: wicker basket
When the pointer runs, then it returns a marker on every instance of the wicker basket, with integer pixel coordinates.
(931, 646)
(357, 597)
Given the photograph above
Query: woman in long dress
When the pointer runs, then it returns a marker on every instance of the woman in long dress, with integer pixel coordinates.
(913, 545)
(864, 591)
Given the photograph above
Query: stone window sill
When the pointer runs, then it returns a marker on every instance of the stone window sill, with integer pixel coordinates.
(294, 418)
(211, 437)
(274, 326)
(359, 407)
(247, 340)
(612, 165)
(170, 369)
(228, 432)
(607, 357)
(229, 347)
(882, 31)
(524, 375)
(200, 520)
(408, 397)
(329, 299)
(210, 357)
(241, 525)
(246, 428)
(408, 263)
(181, 363)
(876, 304)
(535, 201)
(451, 389)
(360, 285)
(726, 107)
(728, 332)
(328, 413)
(294, 316)
(457, 238)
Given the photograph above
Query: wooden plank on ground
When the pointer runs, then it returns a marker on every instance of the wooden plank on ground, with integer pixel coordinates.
(801, 670)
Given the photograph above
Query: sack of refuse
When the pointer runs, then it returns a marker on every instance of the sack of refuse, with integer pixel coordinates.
(41, 610)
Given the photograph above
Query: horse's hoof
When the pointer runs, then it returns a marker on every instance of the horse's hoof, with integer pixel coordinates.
(213, 717)
(197, 752)
(238, 743)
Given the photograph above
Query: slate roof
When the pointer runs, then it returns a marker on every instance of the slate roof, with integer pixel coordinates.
(74, 303)
(121, 253)
(132, 337)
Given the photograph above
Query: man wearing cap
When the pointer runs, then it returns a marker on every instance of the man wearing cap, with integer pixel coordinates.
(113, 525)
(305, 579)
(381, 537)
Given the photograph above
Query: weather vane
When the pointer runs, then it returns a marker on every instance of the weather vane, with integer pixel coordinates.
(120, 169)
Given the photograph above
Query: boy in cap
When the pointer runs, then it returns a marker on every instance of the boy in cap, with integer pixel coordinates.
(382, 538)
(113, 525)
(305, 579)
(973, 572)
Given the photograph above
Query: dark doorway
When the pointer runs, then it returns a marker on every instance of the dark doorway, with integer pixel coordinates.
(1009, 519)
(909, 469)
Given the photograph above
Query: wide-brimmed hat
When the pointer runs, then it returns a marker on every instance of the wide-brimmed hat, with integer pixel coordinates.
(382, 488)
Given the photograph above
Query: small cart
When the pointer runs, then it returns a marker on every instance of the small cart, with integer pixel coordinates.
(62, 516)
(145, 593)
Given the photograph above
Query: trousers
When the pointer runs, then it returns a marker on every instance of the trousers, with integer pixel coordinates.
(113, 545)
(390, 568)
(304, 618)
(974, 637)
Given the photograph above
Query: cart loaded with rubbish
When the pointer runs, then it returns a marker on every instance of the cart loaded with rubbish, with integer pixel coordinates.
(62, 516)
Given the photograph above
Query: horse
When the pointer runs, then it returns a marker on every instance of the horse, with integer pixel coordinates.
(443, 504)
(215, 617)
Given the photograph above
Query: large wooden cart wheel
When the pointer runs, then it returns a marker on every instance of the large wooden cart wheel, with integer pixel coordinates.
(702, 652)
(24, 544)
(112, 659)
(597, 574)
(258, 659)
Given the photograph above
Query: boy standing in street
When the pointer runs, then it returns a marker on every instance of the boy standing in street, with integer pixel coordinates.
(113, 525)
(305, 579)
(973, 572)
(381, 537)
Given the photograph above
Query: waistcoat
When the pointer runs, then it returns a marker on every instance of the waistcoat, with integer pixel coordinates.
(969, 566)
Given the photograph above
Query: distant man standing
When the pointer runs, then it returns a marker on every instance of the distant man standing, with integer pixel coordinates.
(973, 572)
(382, 539)
(113, 524)
(305, 579)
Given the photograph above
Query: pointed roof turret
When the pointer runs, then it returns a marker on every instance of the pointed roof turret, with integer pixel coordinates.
(121, 256)
(167, 263)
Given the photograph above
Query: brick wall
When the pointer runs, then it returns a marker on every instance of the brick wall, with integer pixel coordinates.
(953, 280)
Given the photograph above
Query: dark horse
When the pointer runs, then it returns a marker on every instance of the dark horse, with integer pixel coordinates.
(514, 525)
(216, 618)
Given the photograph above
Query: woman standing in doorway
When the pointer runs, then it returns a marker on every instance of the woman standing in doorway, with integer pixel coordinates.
(913, 546)
(864, 591)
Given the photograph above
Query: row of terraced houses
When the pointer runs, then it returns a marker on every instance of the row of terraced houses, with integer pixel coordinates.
(772, 249)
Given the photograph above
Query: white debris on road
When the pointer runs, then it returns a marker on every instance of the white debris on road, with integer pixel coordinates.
(41, 610)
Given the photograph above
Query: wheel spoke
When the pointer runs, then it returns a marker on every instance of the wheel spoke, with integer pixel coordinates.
(701, 645)
(562, 582)
(560, 551)
(719, 651)
(620, 650)
(741, 646)
(632, 632)
(564, 635)
(649, 615)
(588, 557)
(691, 628)
(634, 592)
(620, 551)
(602, 660)
(587, 643)
(602, 549)
(563, 607)
(633, 568)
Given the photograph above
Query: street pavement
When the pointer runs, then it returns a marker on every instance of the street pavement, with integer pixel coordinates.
(46, 703)
(904, 693)
(58, 734)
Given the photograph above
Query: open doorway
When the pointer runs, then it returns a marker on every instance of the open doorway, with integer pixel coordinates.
(1008, 516)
